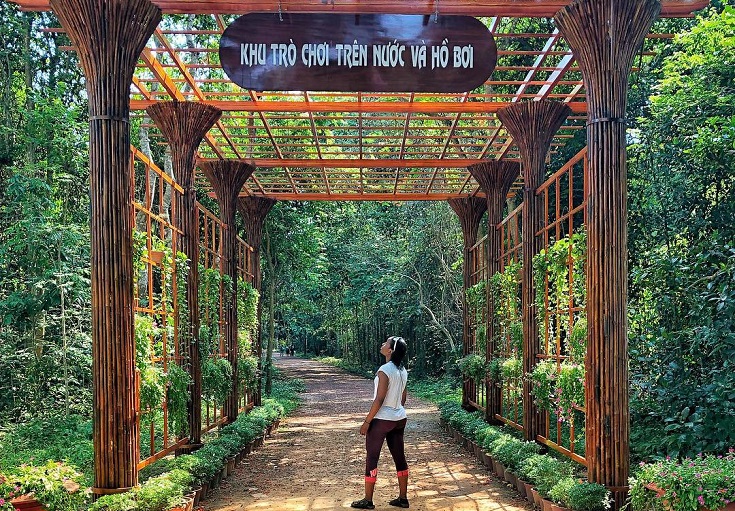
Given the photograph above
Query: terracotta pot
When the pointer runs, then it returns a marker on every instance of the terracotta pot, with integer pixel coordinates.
(248, 448)
(486, 460)
(205, 491)
(556, 507)
(27, 503)
(189, 501)
(529, 491)
(511, 477)
(546, 505)
(198, 492)
(521, 485)
(215, 481)
(537, 498)
(155, 256)
(230, 466)
(498, 468)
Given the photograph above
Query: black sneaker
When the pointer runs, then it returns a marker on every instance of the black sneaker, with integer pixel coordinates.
(399, 502)
(365, 504)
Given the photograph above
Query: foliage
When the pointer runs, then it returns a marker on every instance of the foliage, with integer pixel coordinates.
(116, 502)
(177, 398)
(544, 387)
(511, 373)
(152, 391)
(473, 367)
(58, 437)
(586, 496)
(216, 379)
(570, 390)
(682, 304)
(505, 293)
(435, 390)
(703, 481)
(551, 267)
(55, 485)
(546, 472)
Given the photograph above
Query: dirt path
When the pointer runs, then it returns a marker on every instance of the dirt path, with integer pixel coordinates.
(315, 460)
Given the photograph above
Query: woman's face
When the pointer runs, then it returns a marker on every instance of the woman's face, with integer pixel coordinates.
(385, 349)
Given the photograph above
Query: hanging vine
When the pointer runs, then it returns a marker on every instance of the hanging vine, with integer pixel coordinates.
(558, 381)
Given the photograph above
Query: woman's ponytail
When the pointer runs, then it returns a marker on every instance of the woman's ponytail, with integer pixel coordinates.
(399, 347)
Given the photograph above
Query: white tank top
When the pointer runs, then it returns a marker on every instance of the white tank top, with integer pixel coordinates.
(392, 409)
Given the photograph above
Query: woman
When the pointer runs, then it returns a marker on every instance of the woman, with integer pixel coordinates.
(386, 420)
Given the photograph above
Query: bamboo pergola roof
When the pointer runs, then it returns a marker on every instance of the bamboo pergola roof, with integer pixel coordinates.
(312, 145)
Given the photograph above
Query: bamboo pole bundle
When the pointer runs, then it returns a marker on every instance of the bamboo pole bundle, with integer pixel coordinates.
(605, 36)
(184, 125)
(110, 34)
(470, 211)
(227, 178)
(495, 178)
(254, 210)
(532, 126)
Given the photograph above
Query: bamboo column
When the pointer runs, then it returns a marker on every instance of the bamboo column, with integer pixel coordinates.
(254, 211)
(469, 211)
(495, 178)
(605, 36)
(532, 126)
(184, 125)
(109, 36)
(227, 178)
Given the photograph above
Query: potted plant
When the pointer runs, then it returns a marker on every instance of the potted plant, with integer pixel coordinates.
(586, 496)
(706, 481)
(117, 502)
(53, 487)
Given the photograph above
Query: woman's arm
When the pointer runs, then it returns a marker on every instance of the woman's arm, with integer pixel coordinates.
(403, 398)
(377, 402)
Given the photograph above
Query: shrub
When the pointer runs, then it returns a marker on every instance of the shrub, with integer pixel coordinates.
(547, 472)
(55, 485)
(559, 493)
(704, 481)
(118, 502)
(584, 496)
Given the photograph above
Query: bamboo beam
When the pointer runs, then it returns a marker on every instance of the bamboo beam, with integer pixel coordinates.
(184, 124)
(361, 197)
(495, 179)
(469, 211)
(254, 210)
(110, 35)
(605, 36)
(416, 107)
(510, 8)
(227, 178)
(532, 125)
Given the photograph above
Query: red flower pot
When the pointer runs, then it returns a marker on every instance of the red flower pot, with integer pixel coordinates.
(27, 503)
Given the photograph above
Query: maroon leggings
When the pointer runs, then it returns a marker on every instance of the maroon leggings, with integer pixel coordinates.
(392, 433)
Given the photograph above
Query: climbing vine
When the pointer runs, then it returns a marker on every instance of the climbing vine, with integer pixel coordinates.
(558, 381)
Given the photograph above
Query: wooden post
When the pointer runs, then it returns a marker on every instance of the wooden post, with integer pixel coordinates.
(605, 36)
(254, 211)
(184, 125)
(109, 36)
(469, 211)
(227, 178)
(495, 178)
(532, 126)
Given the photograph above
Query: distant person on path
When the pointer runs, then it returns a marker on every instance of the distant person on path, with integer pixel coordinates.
(386, 420)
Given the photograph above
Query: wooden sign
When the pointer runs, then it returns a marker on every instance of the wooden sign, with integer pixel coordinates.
(357, 53)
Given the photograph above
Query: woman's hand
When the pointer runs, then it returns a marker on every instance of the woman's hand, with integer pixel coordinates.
(364, 428)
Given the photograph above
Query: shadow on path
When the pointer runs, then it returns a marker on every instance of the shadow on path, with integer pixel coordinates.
(315, 460)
